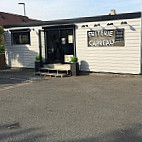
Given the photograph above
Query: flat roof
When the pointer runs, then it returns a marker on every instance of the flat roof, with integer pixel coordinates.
(78, 20)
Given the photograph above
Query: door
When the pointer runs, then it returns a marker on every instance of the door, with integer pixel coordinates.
(60, 42)
(53, 47)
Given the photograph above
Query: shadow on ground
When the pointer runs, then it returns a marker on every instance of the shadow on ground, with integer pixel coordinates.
(16, 75)
(25, 135)
(131, 134)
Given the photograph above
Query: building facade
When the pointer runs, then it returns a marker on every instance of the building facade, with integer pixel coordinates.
(108, 43)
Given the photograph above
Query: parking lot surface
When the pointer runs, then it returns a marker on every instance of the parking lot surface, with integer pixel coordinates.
(90, 108)
(15, 76)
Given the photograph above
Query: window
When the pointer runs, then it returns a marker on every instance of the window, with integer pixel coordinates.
(20, 36)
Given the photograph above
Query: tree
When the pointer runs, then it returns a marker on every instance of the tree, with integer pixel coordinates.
(2, 49)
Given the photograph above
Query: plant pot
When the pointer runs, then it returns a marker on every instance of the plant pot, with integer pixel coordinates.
(37, 66)
(2, 60)
(74, 69)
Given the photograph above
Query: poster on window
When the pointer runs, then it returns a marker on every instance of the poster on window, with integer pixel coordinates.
(67, 58)
(70, 38)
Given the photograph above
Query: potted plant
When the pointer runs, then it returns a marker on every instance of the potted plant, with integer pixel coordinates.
(74, 66)
(37, 63)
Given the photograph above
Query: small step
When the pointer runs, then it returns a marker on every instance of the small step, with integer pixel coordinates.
(46, 68)
(58, 66)
(53, 69)
(54, 74)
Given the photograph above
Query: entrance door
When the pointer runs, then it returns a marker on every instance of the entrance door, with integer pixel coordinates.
(53, 46)
(59, 43)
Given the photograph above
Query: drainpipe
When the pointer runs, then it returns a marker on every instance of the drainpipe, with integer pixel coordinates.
(40, 47)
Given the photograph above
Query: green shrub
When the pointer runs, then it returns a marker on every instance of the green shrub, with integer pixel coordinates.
(1, 36)
(74, 59)
(37, 57)
(2, 49)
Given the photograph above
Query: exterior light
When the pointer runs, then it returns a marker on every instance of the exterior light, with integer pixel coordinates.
(96, 25)
(124, 23)
(109, 24)
(84, 26)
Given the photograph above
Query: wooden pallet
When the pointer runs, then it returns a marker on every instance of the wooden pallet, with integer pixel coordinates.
(53, 74)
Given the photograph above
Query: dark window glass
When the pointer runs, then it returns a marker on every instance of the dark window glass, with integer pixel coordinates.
(21, 37)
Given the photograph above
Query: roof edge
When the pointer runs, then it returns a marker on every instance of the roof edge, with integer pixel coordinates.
(79, 20)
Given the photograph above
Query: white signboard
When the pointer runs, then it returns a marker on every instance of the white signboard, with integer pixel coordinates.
(106, 37)
(67, 58)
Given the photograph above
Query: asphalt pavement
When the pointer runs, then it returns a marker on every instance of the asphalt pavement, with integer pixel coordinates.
(91, 108)
(15, 76)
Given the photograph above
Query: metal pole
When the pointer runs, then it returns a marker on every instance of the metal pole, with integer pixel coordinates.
(24, 11)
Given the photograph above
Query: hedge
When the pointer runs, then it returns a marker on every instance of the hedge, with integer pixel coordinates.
(2, 48)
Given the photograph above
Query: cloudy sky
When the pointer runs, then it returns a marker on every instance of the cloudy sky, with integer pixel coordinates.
(60, 9)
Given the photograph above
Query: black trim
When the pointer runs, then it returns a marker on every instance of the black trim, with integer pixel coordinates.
(45, 44)
(74, 40)
(20, 31)
(58, 27)
(40, 47)
(79, 20)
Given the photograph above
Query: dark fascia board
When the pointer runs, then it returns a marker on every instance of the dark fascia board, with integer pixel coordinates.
(20, 30)
(72, 26)
(78, 20)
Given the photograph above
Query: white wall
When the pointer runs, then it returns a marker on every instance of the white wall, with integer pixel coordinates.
(125, 59)
(110, 59)
(22, 55)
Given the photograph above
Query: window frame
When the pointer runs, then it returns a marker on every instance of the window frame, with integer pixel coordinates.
(20, 32)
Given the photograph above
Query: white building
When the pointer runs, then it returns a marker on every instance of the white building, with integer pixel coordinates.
(108, 43)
